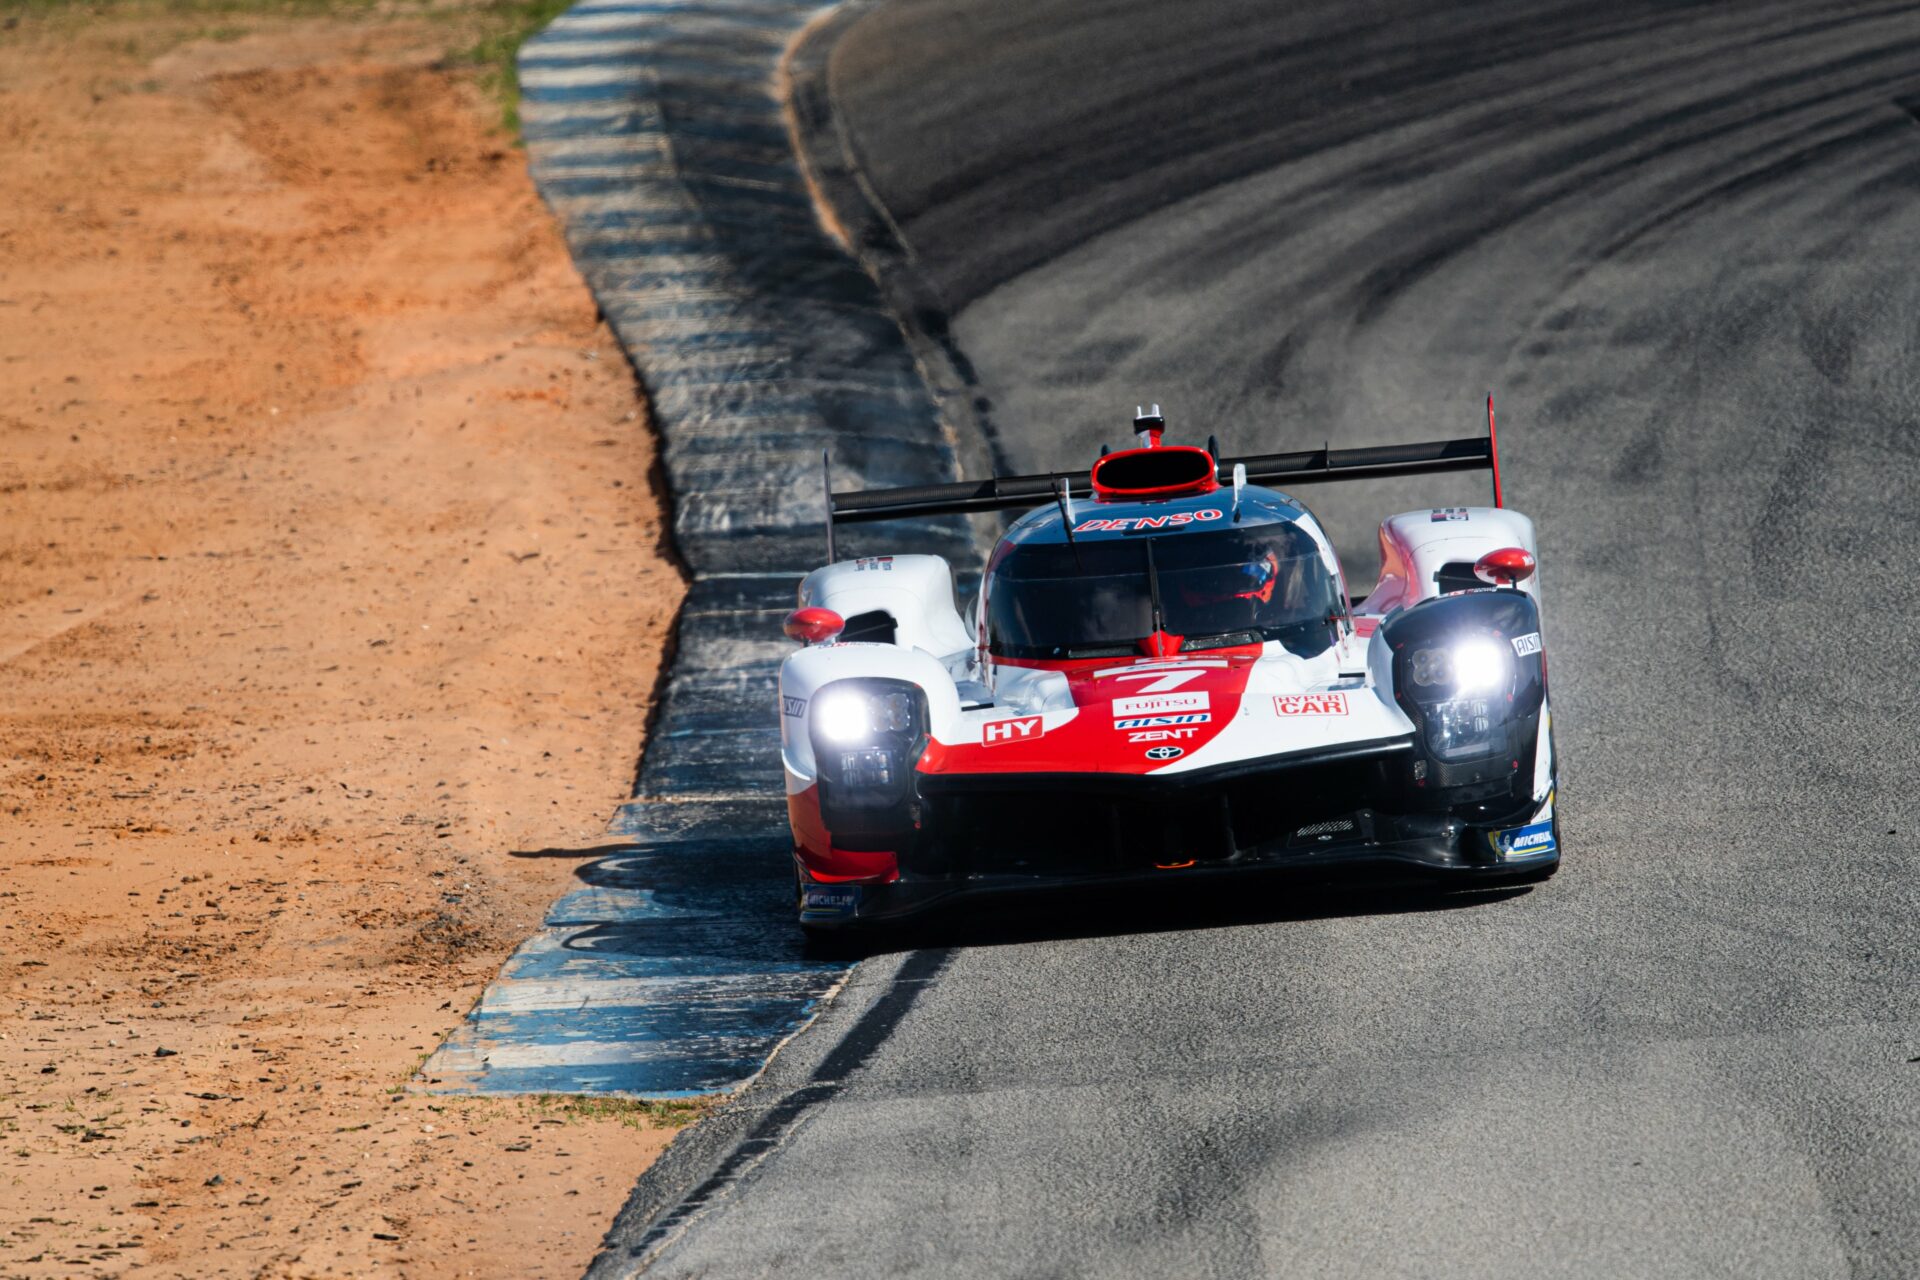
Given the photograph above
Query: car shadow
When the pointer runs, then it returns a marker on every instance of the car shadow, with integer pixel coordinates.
(731, 899)
(1069, 914)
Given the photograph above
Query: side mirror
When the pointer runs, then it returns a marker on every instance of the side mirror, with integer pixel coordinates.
(1508, 566)
(814, 625)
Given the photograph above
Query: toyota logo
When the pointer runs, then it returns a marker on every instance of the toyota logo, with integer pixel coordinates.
(1165, 753)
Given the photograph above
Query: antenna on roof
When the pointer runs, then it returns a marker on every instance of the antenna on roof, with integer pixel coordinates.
(1239, 483)
(1063, 494)
(1148, 424)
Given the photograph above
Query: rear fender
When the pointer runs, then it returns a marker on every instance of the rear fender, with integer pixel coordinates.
(1424, 554)
(915, 592)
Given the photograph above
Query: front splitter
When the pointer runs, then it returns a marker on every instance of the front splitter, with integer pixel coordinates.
(1437, 864)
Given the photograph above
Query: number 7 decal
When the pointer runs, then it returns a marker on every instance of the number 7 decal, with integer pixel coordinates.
(1163, 681)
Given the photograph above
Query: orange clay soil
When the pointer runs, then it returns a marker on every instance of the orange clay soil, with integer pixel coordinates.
(330, 577)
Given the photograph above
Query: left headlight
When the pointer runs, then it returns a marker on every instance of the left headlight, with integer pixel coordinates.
(1471, 664)
(1469, 672)
(1461, 684)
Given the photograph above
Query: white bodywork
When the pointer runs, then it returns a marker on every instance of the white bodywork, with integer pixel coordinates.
(1416, 545)
(967, 692)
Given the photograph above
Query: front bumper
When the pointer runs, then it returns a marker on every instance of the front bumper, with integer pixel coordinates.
(834, 906)
(1332, 816)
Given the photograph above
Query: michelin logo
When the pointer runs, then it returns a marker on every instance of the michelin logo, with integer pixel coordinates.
(1526, 842)
(839, 902)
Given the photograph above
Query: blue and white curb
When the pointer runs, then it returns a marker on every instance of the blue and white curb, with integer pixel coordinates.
(657, 134)
(667, 975)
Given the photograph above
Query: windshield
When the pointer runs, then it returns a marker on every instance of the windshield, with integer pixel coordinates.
(1215, 588)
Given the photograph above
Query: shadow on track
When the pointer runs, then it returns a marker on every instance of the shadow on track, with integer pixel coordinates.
(749, 883)
(1061, 915)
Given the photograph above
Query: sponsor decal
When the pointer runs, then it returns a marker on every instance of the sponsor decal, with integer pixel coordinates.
(793, 706)
(1159, 704)
(1442, 514)
(1325, 832)
(1163, 680)
(1162, 735)
(1527, 841)
(1001, 732)
(829, 902)
(1165, 753)
(1172, 520)
(1526, 644)
(873, 564)
(1310, 704)
(1161, 722)
(1142, 666)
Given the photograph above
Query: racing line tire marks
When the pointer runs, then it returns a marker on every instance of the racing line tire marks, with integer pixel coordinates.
(1678, 239)
(723, 1151)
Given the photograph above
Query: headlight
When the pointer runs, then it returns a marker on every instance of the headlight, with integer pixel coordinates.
(848, 716)
(1469, 673)
(1463, 729)
(1468, 666)
(842, 717)
(867, 732)
(1459, 685)
(868, 767)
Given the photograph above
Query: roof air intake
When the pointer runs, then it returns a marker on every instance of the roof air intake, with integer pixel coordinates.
(1171, 471)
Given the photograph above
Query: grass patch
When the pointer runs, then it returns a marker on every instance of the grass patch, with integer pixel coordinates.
(506, 25)
(480, 35)
(634, 1113)
(85, 10)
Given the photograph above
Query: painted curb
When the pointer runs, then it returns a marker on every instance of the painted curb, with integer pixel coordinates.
(656, 131)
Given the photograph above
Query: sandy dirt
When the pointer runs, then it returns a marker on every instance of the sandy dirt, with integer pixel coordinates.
(331, 578)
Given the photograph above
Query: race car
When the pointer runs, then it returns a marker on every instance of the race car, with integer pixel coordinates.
(1163, 677)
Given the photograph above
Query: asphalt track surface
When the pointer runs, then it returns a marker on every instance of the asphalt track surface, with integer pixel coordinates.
(1680, 243)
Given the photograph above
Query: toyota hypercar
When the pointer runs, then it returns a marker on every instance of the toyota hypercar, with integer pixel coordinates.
(1162, 676)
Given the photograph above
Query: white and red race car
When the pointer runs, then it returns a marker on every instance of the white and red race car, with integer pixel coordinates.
(1164, 676)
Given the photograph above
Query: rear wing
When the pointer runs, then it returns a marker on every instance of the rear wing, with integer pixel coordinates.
(1306, 466)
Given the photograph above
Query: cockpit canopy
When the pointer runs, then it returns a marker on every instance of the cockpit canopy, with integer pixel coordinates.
(1213, 586)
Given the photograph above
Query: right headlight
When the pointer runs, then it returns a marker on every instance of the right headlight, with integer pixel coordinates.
(867, 732)
(848, 716)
